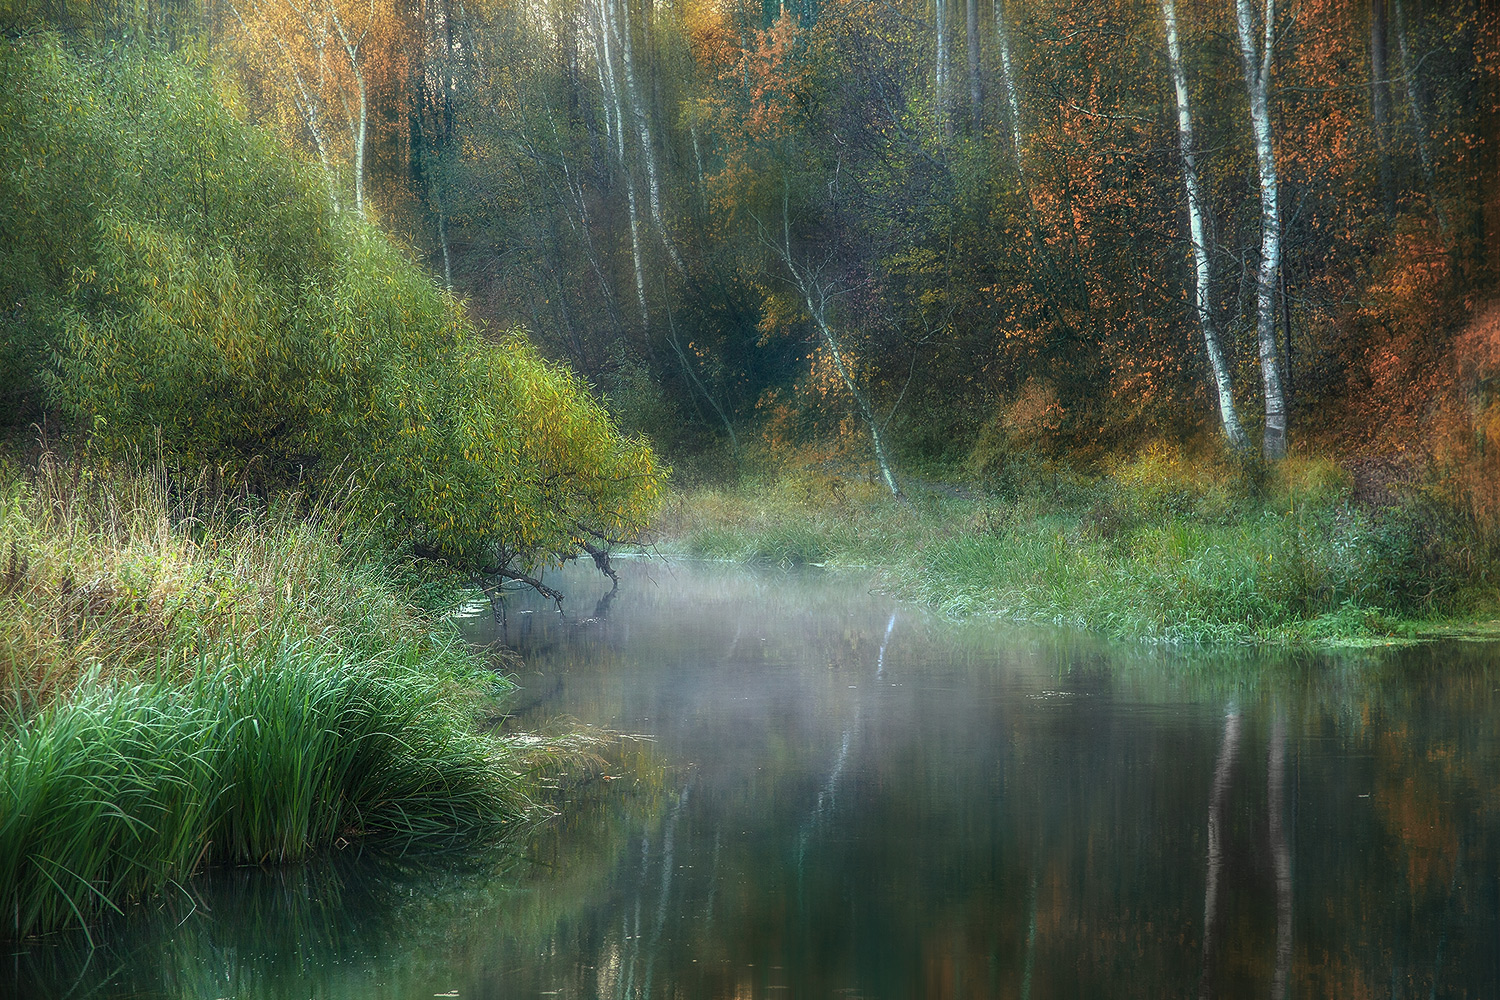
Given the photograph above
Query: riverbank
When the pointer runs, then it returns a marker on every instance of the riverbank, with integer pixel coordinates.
(193, 680)
(1164, 546)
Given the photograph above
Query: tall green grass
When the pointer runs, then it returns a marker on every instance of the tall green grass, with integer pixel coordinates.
(189, 679)
(125, 788)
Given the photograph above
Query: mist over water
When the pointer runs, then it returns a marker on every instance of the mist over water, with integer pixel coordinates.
(837, 796)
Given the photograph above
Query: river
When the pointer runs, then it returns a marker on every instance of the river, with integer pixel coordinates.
(823, 793)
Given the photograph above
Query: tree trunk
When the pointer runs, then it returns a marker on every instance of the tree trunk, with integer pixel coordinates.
(601, 66)
(1257, 58)
(643, 134)
(1380, 105)
(815, 296)
(635, 252)
(1202, 261)
(940, 89)
(1012, 96)
(606, 28)
(358, 123)
(305, 99)
(1419, 126)
(608, 19)
(443, 242)
(976, 97)
(866, 411)
(359, 145)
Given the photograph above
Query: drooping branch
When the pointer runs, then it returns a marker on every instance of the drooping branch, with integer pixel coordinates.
(506, 573)
(601, 562)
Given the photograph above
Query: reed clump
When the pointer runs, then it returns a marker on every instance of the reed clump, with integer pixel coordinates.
(193, 679)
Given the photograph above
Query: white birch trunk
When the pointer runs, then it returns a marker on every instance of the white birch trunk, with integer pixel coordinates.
(815, 297)
(941, 82)
(608, 17)
(635, 252)
(1012, 95)
(604, 101)
(1234, 433)
(447, 259)
(358, 123)
(817, 308)
(359, 146)
(1257, 58)
(648, 147)
(971, 37)
(306, 100)
(698, 159)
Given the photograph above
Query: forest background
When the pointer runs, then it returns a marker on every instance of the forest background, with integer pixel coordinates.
(976, 212)
(993, 241)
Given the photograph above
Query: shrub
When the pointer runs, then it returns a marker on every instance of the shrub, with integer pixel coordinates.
(182, 288)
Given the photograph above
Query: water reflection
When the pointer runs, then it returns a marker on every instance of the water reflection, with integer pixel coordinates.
(843, 798)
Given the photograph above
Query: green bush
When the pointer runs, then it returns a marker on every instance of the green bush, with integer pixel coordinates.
(172, 283)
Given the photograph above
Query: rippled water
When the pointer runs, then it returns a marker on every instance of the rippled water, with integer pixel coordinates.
(835, 796)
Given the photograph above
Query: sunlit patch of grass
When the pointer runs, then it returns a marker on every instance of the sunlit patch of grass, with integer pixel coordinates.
(1165, 545)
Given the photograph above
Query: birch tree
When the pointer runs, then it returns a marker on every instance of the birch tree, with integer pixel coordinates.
(1012, 96)
(971, 37)
(608, 20)
(304, 90)
(1202, 261)
(643, 133)
(942, 70)
(324, 60)
(352, 42)
(1257, 55)
(817, 295)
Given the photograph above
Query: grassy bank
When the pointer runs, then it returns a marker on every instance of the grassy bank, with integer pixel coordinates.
(1163, 546)
(190, 681)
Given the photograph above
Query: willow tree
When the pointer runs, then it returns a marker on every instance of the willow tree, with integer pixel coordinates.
(214, 310)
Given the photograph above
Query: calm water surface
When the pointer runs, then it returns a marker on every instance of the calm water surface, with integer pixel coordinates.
(835, 796)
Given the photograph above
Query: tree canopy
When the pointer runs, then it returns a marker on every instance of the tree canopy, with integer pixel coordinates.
(1016, 243)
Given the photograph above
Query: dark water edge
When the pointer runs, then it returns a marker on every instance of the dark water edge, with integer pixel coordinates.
(842, 797)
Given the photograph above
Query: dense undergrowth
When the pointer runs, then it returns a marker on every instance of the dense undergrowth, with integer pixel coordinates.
(1164, 545)
(190, 680)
